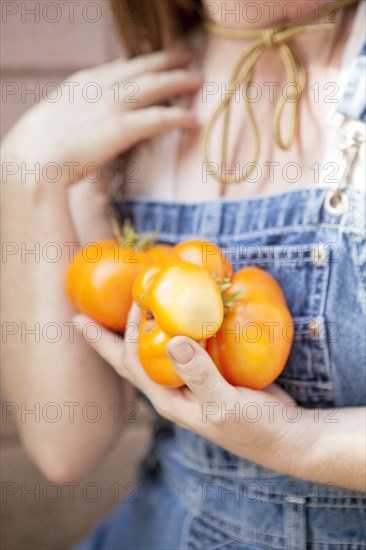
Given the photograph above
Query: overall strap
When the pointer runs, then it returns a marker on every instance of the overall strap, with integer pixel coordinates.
(349, 120)
(352, 104)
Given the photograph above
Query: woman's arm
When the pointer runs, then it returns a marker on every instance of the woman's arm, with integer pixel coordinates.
(333, 449)
(45, 360)
(267, 427)
(48, 368)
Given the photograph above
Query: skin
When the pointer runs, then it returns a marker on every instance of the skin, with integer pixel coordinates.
(36, 211)
(227, 13)
(322, 58)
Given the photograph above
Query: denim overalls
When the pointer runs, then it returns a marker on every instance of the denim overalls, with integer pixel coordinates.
(193, 494)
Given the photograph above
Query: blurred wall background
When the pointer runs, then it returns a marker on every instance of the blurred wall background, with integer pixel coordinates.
(43, 42)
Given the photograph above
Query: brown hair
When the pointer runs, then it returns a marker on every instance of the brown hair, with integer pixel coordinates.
(146, 26)
(150, 25)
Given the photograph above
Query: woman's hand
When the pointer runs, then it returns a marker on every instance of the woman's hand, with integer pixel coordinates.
(104, 111)
(252, 424)
(264, 426)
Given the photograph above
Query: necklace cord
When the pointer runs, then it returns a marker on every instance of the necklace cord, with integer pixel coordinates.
(274, 38)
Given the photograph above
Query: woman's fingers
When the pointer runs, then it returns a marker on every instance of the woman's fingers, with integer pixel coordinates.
(118, 351)
(193, 365)
(155, 88)
(121, 355)
(161, 61)
(106, 343)
(197, 370)
(121, 70)
(146, 123)
(132, 331)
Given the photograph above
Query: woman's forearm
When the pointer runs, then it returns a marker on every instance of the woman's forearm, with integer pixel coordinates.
(48, 368)
(333, 448)
(325, 446)
(321, 446)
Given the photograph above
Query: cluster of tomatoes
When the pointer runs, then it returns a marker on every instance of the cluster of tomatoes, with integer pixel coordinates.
(242, 320)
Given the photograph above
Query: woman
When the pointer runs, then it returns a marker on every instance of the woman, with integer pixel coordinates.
(230, 467)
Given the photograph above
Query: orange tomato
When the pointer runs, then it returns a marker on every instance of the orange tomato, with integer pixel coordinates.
(152, 354)
(141, 285)
(254, 341)
(176, 297)
(212, 348)
(207, 255)
(185, 300)
(99, 281)
(161, 258)
(160, 253)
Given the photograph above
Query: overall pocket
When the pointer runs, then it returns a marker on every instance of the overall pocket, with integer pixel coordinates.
(336, 523)
(289, 515)
(302, 270)
(202, 535)
(242, 516)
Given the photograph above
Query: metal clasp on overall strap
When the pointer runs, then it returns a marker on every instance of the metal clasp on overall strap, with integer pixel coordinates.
(353, 135)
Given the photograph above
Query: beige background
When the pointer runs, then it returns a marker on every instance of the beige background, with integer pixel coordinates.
(37, 49)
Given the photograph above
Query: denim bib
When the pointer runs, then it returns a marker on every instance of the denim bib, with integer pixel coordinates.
(192, 494)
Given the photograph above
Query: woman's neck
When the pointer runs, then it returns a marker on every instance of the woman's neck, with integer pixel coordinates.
(245, 14)
(220, 53)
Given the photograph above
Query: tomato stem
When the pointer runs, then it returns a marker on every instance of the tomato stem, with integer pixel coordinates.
(117, 232)
(229, 300)
(127, 236)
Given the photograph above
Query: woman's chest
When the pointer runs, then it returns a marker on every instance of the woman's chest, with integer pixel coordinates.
(273, 170)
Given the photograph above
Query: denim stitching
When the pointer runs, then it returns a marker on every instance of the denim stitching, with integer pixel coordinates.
(183, 545)
(172, 237)
(356, 261)
(232, 529)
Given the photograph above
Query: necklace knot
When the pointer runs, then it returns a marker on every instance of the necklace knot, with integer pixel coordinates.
(269, 37)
